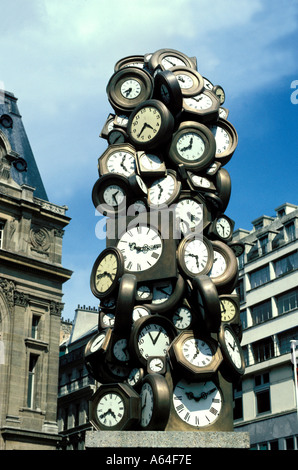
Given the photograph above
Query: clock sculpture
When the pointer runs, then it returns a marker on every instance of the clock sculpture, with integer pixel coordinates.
(167, 351)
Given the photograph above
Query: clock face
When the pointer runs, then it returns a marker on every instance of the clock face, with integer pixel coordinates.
(130, 89)
(141, 247)
(147, 398)
(106, 272)
(146, 124)
(150, 162)
(228, 310)
(120, 350)
(197, 352)
(196, 256)
(190, 146)
(108, 320)
(190, 213)
(222, 139)
(162, 190)
(182, 318)
(197, 403)
(143, 292)
(113, 195)
(171, 61)
(161, 292)
(110, 409)
(185, 81)
(139, 312)
(219, 265)
(223, 227)
(233, 349)
(200, 102)
(97, 343)
(121, 162)
(156, 364)
(135, 375)
(153, 340)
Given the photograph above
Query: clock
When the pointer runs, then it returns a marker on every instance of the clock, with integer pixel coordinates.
(197, 404)
(130, 61)
(150, 336)
(190, 81)
(164, 191)
(204, 107)
(207, 84)
(167, 90)
(117, 350)
(140, 311)
(108, 126)
(117, 136)
(220, 93)
(150, 165)
(195, 255)
(155, 403)
(194, 356)
(200, 182)
(138, 186)
(226, 139)
(224, 271)
(233, 366)
(110, 194)
(106, 319)
(167, 58)
(193, 144)
(108, 303)
(125, 304)
(223, 113)
(229, 308)
(135, 377)
(166, 294)
(221, 228)
(183, 318)
(115, 407)
(118, 158)
(204, 299)
(120, 121)
(156, 365)
(223, 187)
(148, 252)
(128, 87)
(191, 212)
(238, 247)
(150, 124)
(106, 271)
(95, 352)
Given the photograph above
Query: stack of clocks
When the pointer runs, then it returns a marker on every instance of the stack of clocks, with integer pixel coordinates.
(167, 352)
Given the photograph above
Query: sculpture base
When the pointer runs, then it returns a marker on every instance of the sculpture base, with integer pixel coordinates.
(170, 439)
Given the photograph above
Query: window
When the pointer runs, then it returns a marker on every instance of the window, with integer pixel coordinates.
(290, 231)
(31, 380)
(261, 312)
(259, 277)
(2, 224)
(287, 302)
(243, 319)
(264, 245)
(263, 349)
(262, 393)
(238, 407)
(34, 327)
(284, 340)
(240, 290)
(286, 264)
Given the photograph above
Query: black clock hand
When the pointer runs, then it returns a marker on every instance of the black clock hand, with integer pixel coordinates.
(122, 163)
(194, 256)
(128, 91)
(114, 196)
(168, 60)
(189, 145)
(154, 341)
(143, 128)
(160, 190)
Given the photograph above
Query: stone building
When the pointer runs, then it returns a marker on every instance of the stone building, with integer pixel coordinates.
(31, 281)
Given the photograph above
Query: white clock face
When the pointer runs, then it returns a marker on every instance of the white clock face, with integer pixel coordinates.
(153, 340)
(162, 292)
(182, 318)
(134, 376)
(130, 89)
(143, 292)
(222, 139)
(171, 61)
(120, 350)
(197, 403)
(197, 352)
(156, 364)
(150, 162)
(162, 190)
(228, 310)
(200, 102)
(185, 81)
(139, 312)
(223, 227)
(190, 213)
(141, 247)
(113, 195)
(121, 162)
(110, 409)
(232, 348)
(106, 272)
(201, 181)
(97, 343)
(190, 146)
(108, 319)
(147, 399)
(196, 256)
(219, 265)
(146, 124)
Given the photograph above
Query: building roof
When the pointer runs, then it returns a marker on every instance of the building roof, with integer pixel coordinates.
(11, 125)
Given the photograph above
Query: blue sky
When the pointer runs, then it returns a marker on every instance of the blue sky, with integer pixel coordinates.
(57, 58)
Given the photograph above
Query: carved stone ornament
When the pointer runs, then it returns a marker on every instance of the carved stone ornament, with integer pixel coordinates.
(56, 308)
(21, 299)
(40, 239)
(8, 288)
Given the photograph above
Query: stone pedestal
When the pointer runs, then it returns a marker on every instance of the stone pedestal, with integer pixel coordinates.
(171, 439)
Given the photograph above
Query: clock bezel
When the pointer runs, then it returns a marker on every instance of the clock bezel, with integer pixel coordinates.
(119, 272)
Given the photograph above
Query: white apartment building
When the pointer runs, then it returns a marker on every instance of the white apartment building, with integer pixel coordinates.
(265, 401)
